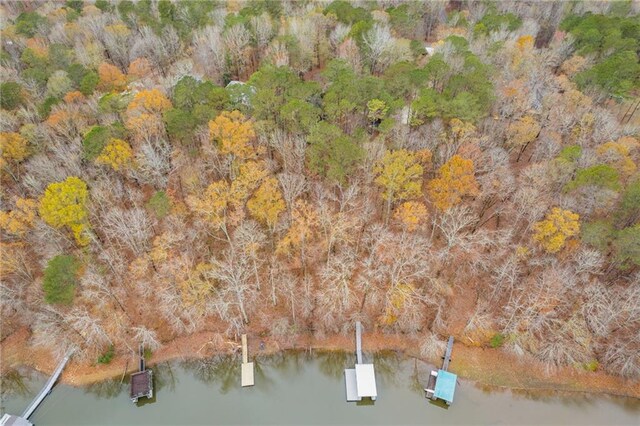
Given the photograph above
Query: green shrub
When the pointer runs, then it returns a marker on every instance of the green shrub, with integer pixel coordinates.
(493, 22)
(89, 82)
(94, 141)
(147, 354)
(45, 108)
(60, 279)
(601, 175)
(106, 357)
(75, 4)
(180, 124)
(597, 234)
(159, 204)
(10, 95)
(497, 340)
(346, 13)
(627, 247)
(591, 366)
(104, 5)
(570, 154)
(97, 137)
(629, 210)
(28, 23)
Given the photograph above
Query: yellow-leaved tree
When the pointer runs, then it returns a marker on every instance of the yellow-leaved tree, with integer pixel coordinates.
(522, 132)
(13, 147)
(19, 220)
(620, 154)
(523, 52)
(304, 228)
(233, 133)
(197, 287)
(65, 204)
(455, 180)
(397, 297)
(552, 232)
(411, 214)
(212, 206)
(117, 154)
(250, 175)
(399, 173)
(267, 203)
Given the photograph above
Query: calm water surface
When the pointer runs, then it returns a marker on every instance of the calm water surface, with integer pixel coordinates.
(297, 389)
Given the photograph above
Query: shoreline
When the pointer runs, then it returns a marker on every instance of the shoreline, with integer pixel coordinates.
(483, 366)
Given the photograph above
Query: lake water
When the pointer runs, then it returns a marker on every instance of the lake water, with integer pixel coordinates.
(298, 388)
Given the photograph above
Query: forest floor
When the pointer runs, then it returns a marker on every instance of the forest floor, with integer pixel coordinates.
(485, 366)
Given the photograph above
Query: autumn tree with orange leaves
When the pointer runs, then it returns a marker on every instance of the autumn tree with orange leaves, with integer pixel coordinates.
(144, 113)
(455, 181)
(111, 78)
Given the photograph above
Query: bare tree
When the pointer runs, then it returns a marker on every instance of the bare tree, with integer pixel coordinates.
(452, 222)
(131, 228)
(293, 185)
(336, 295)
(209, 52)
(236, 39)
(379, 43)
(146, 337)
(235, 278)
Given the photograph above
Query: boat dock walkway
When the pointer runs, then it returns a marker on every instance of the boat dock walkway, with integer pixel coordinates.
(358, 343)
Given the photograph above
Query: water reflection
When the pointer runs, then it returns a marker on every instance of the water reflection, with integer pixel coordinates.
(418, 378)
(107, 389)
(13, 383)
(387, 364)
(223, 369)
(333, 363)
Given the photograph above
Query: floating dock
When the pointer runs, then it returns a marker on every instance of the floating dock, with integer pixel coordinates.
(142, 381)
(442, 384)
(247, 367)
(360, 382)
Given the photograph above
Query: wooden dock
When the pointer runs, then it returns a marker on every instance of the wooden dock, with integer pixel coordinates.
(447, 354)
(142, 381)
(360, 382)
(442, 383)
(247, 367)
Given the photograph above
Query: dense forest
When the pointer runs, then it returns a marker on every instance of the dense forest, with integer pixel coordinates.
(465, 168)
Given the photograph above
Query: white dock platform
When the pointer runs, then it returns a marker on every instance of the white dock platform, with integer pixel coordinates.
(366, 380)
(247, 367)
(247, 374)
(352, 385)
